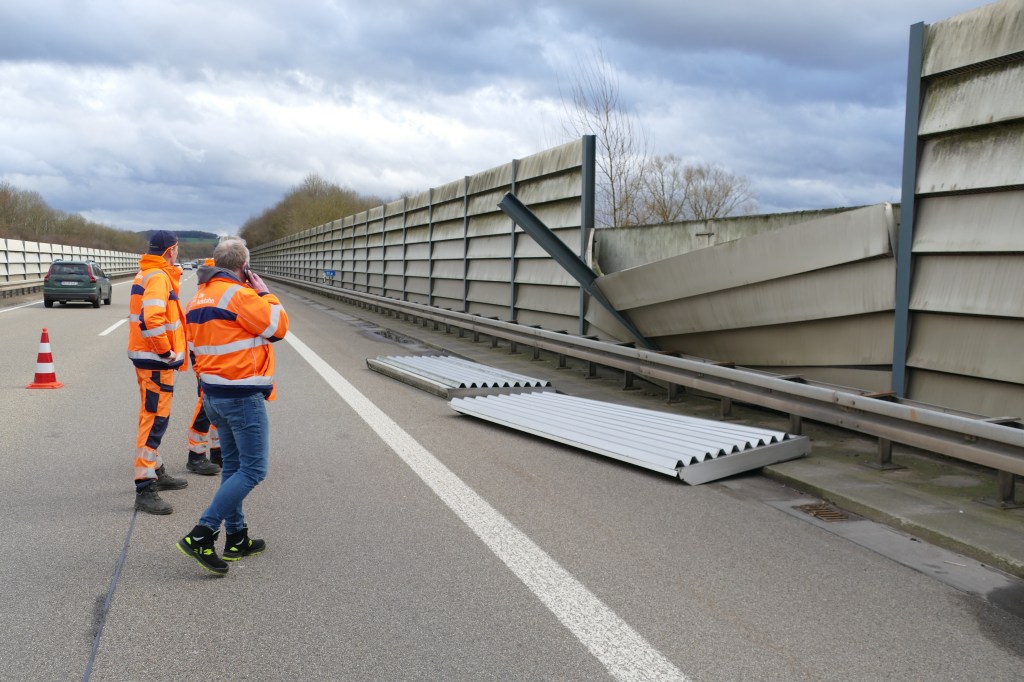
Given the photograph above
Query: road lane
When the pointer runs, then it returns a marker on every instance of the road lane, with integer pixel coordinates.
(369, 575)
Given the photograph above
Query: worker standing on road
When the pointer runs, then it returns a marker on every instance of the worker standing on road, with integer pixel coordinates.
(232, 321)
(202, 435)
(156, 346)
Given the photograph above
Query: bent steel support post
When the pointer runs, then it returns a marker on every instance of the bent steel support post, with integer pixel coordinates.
(572, 263)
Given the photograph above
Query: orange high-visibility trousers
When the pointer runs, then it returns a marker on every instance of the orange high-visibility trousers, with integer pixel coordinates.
(202, 435)
(156, 388)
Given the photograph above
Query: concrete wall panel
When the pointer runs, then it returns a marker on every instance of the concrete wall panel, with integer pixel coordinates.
(972, 284)
(853, 289)
(840, 238)
(983, 347)
(972, 160)
(989, 32)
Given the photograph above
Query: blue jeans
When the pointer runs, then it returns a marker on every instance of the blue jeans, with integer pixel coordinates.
(245, 448)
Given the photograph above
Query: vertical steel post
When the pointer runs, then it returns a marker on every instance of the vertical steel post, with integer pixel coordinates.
(465, 244)
(588, 175)
(430, 247)
(405, 247)
(512, 255)
(908, 204)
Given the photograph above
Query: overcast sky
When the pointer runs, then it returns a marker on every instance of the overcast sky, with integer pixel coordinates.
(198, 114)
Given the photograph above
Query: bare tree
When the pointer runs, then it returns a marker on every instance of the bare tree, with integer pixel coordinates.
(665, 190)
(594, 106)
(713, 192)
(674, 191)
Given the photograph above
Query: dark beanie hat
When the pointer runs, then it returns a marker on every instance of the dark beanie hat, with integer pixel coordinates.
(160, 241)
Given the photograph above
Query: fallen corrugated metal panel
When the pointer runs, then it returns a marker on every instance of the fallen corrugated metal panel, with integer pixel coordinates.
(988, 222)
(449, 377)
(694, 450)
(989, 32)
(841, 238)
(973, 160)
(967, 100)
(970, 284)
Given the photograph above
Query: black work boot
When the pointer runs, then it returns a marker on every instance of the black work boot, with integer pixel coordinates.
(238, 545)
(215, 457)
(148, 500)
(164, 481)
(199, 544)
(201, 466)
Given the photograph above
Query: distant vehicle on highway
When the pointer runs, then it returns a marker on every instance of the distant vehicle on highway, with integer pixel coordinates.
(187, 266)
(76, 280)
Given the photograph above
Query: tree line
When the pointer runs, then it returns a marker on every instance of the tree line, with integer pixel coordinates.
(25, 215)
(313, 202)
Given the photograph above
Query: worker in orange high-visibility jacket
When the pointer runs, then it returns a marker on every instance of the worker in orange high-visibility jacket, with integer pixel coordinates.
(156, 346)
(231, 323)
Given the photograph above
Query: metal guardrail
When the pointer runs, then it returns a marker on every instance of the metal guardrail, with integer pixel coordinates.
(994, 443)
(27, 286)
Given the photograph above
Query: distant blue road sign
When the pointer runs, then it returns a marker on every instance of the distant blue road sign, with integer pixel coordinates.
(329, 273)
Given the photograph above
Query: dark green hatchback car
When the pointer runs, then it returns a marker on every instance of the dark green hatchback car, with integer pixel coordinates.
(76, 280)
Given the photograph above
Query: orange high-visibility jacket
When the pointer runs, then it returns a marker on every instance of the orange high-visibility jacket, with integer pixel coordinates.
(156, 323)
(230, 329)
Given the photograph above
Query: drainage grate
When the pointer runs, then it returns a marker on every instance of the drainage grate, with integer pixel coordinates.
(825, 512)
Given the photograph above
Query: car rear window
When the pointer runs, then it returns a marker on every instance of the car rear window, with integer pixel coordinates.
(70, 269)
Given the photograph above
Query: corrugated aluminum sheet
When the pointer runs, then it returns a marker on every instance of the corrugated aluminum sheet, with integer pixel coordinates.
(449, 377)
(694, 450)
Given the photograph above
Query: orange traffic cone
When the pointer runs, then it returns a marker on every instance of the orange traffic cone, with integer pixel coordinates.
(45, 376)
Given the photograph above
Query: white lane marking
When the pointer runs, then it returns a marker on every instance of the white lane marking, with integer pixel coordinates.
(23, 305)
(620, 648)
(113, 326)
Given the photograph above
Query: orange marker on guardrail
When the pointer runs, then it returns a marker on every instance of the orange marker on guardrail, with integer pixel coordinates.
(45, 375)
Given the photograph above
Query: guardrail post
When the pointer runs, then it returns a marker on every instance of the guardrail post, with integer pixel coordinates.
(884, 462)
(796, 425)
(725, 407)
(1006, 492)
(627, 381)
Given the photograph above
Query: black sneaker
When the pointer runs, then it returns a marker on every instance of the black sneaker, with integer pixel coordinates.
(164, 481)
(238, 545)
(215, 457)
(199, 544)
(147, 500)
(202, 466)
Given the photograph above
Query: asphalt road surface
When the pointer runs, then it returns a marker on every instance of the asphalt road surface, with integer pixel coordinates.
(408, 542)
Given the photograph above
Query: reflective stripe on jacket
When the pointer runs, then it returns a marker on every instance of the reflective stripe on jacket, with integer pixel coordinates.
(230, 329)
(156, 323)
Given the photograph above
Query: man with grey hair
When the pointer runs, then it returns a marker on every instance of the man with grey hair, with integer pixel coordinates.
(231, 323)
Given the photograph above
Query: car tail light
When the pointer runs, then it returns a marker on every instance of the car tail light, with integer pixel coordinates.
(92, 277)
(46, 277)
